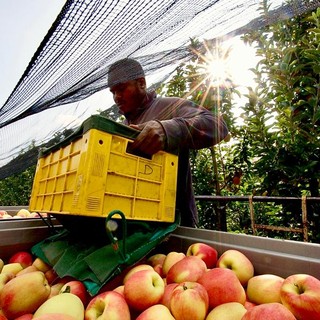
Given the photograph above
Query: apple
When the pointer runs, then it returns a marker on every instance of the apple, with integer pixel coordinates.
(237, 262)
(272, 311)
(27, 316)
(24, 213)
(189, 268)
(156, 259)
(27, 270)
(107, 305)
(120, 289)
(6, 216)
(51, 275)
(227, 311)
(264, 288)
(158, 268)
(13, 267)
(78, 288)
(189, 300)
(41, 265)
(54, 316)
(222, 286)
(1, 264)
(166, 298)
(55, 289)
(64, 303)
(205, 252)
(4, 278)
(300, 293)
(2, 317)
(135, 269)
(143, 289)
(25, 258)
(24, 294)
(157, 311)
(249, 305)
(171, 258)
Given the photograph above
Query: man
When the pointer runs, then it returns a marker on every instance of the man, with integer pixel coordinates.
(166, 123)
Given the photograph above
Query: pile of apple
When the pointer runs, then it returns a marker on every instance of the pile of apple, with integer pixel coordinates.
(195, 285)
(22, 213)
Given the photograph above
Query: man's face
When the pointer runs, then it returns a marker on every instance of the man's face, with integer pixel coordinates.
(129, 95)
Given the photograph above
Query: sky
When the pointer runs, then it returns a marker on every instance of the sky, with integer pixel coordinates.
(23, 25)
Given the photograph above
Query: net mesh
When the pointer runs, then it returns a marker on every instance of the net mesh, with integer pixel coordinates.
(68, 72)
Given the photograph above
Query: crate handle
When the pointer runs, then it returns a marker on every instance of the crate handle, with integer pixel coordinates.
(112, 226)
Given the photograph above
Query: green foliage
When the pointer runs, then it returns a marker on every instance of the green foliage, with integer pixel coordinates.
(16, 189)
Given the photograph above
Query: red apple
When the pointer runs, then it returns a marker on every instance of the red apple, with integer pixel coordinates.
(189, 300)
(166, 298)
(190, 268)
(205, 252)
(264, 288)
(272, 311)
(51, 275)
(78, 288)
(158, 268)
(238, 263)
(143, 289)
(300, 293)
(107, 305)
(27, 316)
(135, 269)
(222, 286)
(25, 258)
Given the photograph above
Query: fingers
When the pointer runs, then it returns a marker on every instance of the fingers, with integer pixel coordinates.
(151, 138)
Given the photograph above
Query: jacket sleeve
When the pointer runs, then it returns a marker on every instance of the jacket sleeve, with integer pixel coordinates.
(193, 127)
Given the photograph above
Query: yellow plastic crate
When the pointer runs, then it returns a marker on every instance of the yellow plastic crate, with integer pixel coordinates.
(92, 173)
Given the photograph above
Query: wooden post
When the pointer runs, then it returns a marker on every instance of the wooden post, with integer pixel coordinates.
(304, 218)
(253, 225)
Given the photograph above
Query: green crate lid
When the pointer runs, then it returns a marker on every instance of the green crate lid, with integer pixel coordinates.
(94, 122)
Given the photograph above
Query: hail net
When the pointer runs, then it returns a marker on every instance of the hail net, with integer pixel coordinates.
(65, 81)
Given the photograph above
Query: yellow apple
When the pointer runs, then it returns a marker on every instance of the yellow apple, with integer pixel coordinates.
(237, 262)
(158, 311)
(274, 311)
(300, 293)
(55, 289)
(4, 278)
(189, 268)
(64, 303)
(41, 265)
(13, 267)
(222, 286)
(171, 258)
(27, 270)
(16, 298)
(107, 305)
(156, 259)
(24, 213)
(143, 289)
(1, 264)
(54, 316)
(227, 311)
(189, 300)
(264, 288)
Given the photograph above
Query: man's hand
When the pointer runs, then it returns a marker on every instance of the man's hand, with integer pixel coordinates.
(151, 139)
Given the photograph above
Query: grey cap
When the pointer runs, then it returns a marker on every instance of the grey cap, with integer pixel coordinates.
(124, 70)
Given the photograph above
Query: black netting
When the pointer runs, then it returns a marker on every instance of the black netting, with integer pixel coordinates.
(72, 61)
